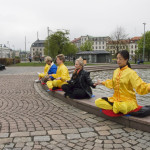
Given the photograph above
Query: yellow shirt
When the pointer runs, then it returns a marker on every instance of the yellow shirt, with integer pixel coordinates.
(124, 81)
(46, 69)
(62, 71)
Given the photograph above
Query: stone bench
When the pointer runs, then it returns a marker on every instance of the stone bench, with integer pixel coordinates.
(88, 105)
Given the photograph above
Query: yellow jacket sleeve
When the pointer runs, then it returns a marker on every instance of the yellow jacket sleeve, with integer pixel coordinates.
(55, 75)
(46, 69)
(108, 83)
(139, 85)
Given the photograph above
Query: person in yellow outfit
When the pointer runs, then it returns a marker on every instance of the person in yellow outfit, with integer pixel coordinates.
(124, 81)
(61, 76)
(49, 68)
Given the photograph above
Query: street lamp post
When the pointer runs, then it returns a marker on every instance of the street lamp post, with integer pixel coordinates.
(48, 39)
(1, 50)
(144, 43)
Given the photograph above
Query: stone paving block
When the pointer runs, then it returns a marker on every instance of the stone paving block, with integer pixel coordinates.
(58, 137)
(5, 140)
(102, 128)
(111, 137)
(37, 146)
(71, 144)
(89, 134)
(108, 142)
(117, 131)
(104, 133)
(38, 133)
(67, 131)
(73, 136)
(10, 145)
(118, 141)
(42, 138)
(92, 120)
(117, 146)
(54, 132)
(88, 147)
(22, 139)
(17, 148)
(126, 145)
(87, 129)
(20, 145)
(4, 135)
(108, 146)
(19, 134)
(27, 148)
(98, 141)
(29, 143)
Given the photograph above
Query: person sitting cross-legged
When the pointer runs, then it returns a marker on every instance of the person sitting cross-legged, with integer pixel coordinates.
(79, 87)
(61, 76)
(50, 68)
(125, 83)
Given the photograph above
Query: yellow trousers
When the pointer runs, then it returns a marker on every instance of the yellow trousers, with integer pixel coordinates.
(55, 83)
(42, 75)
(122, 107)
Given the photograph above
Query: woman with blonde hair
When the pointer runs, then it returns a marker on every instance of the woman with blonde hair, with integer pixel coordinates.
(50, 68)
(79, 87)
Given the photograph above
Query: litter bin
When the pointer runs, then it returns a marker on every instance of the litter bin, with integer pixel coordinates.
(85, 62)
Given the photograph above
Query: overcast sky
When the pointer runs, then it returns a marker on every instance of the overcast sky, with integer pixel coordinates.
(20, 18)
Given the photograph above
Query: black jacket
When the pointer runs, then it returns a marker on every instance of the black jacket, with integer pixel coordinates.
(85, 82)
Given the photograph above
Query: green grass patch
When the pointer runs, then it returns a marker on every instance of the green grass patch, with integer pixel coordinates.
(28, 64)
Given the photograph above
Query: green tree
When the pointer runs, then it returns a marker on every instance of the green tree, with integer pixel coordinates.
(147, 45)
(87, 46)
(56, 43)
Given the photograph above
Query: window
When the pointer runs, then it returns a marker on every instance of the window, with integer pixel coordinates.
(37, 49)
(103, 47)
(96, 47)
(135, 46)
(99, 47)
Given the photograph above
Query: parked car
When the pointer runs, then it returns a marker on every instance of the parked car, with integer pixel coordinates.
(2, 67)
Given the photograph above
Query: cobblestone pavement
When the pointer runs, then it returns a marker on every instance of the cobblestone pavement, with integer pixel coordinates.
(31, 119)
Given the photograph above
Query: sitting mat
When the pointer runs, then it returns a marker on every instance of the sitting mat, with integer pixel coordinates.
(112, 114)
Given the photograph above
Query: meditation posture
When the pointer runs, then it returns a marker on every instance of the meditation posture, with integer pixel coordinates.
(124, 81)
(61, 76)
(79, 85)
(50, 68)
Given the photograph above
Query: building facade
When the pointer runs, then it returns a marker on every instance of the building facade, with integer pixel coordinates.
(5, 52)
(99, 43)
(130, 44)
(133, 45)
(37, 49)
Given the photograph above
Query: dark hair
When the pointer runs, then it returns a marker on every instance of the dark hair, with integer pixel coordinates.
(125, 55)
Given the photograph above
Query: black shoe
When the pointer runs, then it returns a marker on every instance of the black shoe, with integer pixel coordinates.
(54, 88)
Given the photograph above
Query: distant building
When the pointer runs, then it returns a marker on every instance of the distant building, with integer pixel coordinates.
(133, 45)
(99, 43)
(5, 52)
(37, 49)
(130, 44)
(114, 46)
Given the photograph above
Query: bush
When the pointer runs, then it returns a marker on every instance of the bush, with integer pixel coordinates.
(9, 61)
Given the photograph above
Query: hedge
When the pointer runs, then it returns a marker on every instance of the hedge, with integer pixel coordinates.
(9, 61)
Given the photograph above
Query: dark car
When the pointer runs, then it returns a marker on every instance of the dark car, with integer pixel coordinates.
(2, 67)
